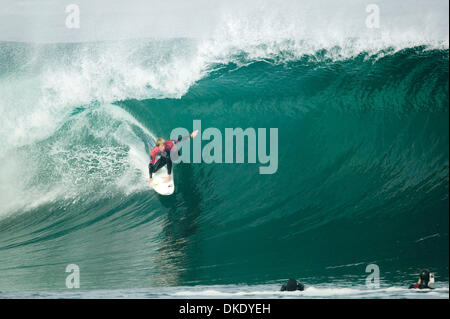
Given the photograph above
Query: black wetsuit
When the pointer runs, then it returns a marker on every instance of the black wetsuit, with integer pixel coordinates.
(163, 160)
(424, 280)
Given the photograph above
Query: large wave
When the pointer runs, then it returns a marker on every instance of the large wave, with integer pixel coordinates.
(363, 155)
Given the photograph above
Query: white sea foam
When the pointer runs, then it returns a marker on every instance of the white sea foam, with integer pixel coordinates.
(314, 291)
(97, 151)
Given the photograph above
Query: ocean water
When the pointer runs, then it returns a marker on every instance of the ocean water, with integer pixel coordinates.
(363, 168)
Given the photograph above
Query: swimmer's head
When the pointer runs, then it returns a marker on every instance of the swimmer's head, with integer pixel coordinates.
(425, 276)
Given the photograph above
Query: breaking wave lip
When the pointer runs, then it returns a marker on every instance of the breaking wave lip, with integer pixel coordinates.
(49, 81)
(62, 76)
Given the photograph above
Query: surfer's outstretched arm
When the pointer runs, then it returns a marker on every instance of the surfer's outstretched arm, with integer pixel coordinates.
(184, 138)
(181, 139)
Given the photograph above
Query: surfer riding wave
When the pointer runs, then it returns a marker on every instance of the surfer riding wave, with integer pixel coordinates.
(160, 155)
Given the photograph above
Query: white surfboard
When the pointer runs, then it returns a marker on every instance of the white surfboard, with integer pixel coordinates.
(158, 185)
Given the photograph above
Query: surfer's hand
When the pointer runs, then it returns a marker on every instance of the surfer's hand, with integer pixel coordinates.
(150, 180)
(194, 134)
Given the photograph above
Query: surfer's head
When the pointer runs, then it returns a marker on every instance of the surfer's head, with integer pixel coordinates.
(424, 276)
(292, 285)
(161, 144)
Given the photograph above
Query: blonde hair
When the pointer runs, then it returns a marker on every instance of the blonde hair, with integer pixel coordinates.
(160, 141)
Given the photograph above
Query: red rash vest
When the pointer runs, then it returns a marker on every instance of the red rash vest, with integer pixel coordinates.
(156, 153)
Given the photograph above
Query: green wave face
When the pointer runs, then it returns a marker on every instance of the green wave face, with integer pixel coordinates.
(363, 154)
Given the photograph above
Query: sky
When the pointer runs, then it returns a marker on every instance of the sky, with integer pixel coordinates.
(45, 20)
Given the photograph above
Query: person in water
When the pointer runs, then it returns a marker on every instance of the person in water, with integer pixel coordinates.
(292, 285)
(423, 282)
(160, 155)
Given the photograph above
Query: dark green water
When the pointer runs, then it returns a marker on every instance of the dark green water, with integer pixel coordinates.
(363, 171)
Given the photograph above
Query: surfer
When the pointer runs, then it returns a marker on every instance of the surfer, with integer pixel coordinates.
(424, 281)
(292, 285)
(160, 155)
